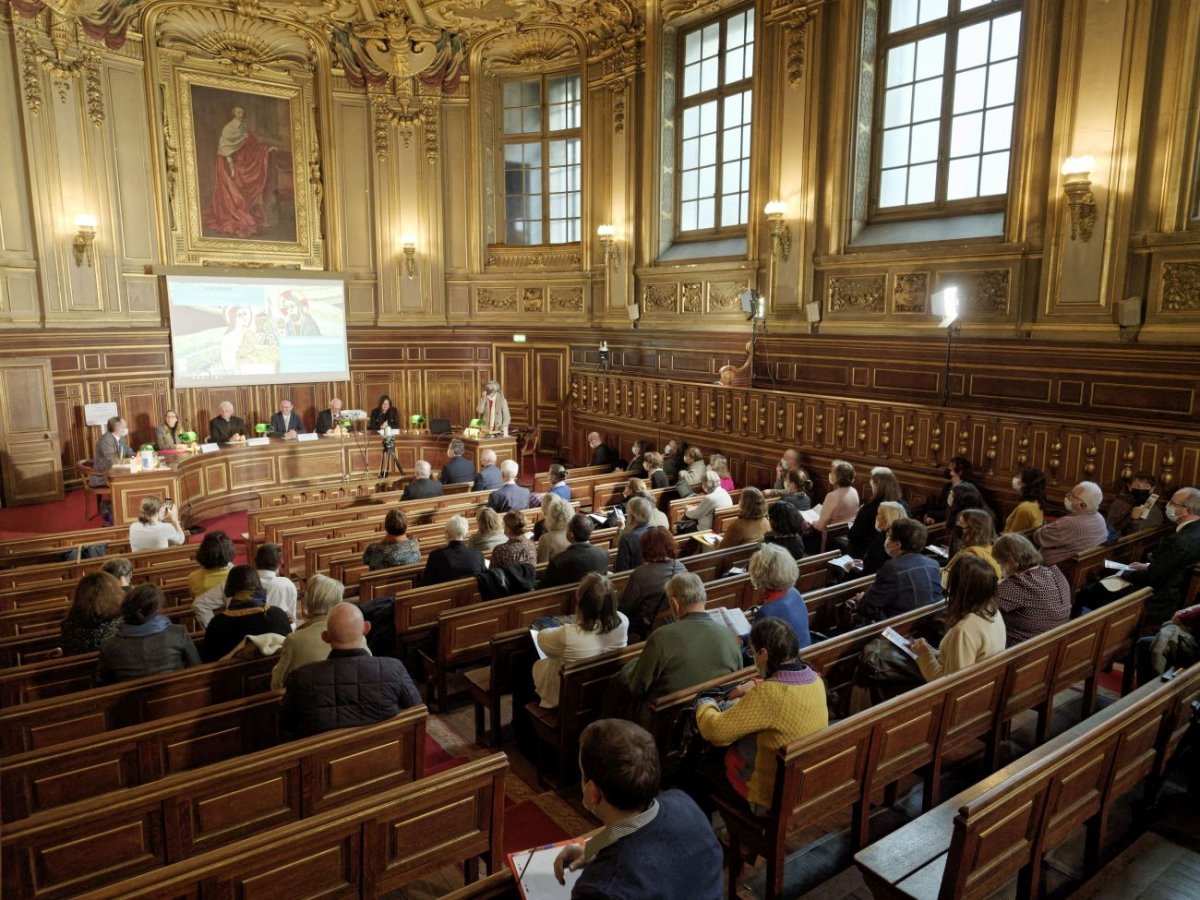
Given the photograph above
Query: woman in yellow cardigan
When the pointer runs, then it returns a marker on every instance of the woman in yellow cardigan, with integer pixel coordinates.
(785, 704)
(978, 536)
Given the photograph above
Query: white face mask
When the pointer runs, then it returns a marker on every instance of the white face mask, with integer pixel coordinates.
(1016, 483)
(1172, 511)
(1070, 504)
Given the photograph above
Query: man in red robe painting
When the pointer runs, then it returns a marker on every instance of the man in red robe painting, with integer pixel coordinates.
(242, 167)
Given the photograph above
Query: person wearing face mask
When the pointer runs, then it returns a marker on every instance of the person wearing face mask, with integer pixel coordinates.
(673, 459)
(908, 579)
(840, 504)
(1170, 568)
(1081, 529)
(1032, 597)
(493, 409)
(1129, 512)
(637, 465)
(112, 447)
(1030, 485)
(958, 471)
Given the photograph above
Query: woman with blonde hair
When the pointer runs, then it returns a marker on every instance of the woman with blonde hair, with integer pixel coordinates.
(654, 470)
(876, 553)
(976, 628)
(556, 514)
(720, 464)
(978, 536)
(775, 573)
(94, 616)
(751, 524)
(489, 530)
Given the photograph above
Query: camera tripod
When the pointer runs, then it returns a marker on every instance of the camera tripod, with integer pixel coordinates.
(388, 458)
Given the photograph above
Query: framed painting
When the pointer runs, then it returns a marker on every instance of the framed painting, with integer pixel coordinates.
(249, 172)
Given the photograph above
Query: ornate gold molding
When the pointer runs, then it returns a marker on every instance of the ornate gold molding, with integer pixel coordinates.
(910, 292)
(1181, 287)
(533, 299)
(566, 299)
(981, 292)
(793, 17)
(407, 112)
(496, 300)
(533, 258)
(856, 294)
(65, 39)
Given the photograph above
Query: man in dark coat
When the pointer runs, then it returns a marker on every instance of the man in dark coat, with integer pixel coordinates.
(456, 559)
(579, 558)
(1170, 569)
(351, 687)
(286, 423)
(509, 495)
(602, 454)
(488, 478)
(422, 487)
(458, 469)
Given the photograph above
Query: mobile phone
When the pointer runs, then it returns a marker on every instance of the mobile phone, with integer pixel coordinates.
(1150, 501)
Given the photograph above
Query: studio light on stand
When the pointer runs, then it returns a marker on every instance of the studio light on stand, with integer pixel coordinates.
(945, 304)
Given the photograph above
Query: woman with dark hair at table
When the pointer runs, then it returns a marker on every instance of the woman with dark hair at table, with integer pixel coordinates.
(146, 642)
(166, 435)
(384, 413)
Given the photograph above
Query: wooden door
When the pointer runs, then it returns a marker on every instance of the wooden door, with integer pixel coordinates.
(534, 380)
(30, 454)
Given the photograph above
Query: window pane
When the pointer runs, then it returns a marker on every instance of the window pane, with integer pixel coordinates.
(1002, 83)
(706, 214)
(690, 157)
(691, 80)
(711, 40)
(904, 15)
(558, 231)
(532, 120)
(895, 147)
(922, 182)
(931, 56)
(687, 215)
(708, 150)
(973, 4)
(997, 129)
(962, 177)
(708, 181)
(709, 70)
(512, 121)
(558, 206)
(731, 177)
(993, 174)
(932, 9)
(691, 121)
(689, 185)
(892, 188)
(729, 208)
(512, 93)
(972, 45)
(924, 142)
(708, 117)
(969, 89)
(691, 47)
(900, 62)
(927, 100)
(1006, 35)
(897, 106)
(965, 134)
(733, 65)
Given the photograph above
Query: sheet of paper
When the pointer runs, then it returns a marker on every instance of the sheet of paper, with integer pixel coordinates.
(941, 551)
(900, 641)
(1116, 566)
(536, 646)
(845, 561)
(534, 871)
(308, 437)
(600, 518)
(1114, 583)
(736, 620)
(810, 515)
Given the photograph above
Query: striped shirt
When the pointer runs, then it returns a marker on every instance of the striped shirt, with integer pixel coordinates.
(617, 830)
(1064, 537)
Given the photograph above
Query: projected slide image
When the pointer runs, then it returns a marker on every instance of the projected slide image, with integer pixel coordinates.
(249, 331)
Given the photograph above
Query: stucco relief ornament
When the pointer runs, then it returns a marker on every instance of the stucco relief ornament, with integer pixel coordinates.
(71, 54)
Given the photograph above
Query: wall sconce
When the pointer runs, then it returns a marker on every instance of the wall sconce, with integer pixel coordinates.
(84, 237)
(781, 234)
(608, 240)
(408, 244)
(1076, 172)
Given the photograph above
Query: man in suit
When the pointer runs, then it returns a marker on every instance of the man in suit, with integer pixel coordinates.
(328, 419)
(286, 423)
(458, 469)
(226, 428)
(580, 557)
(672, 460)
(602, 454)
(456, 559)
(110, 449)
(422, 486)
(488, 478)
(509, 495)
(629, 551)
(1169, 570)
(906, 581)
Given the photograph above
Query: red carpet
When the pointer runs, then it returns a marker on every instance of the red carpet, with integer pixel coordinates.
(61, 515)
(527, 825)
(437, 759)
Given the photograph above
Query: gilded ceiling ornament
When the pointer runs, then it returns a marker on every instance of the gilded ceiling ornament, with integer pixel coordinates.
(530, 50)
(243, 44)
(71, 55)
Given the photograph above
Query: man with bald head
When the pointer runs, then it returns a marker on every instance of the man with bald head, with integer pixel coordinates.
(1081, 529)
(329, 419)
(351, 687)
(226, 428)
(602, 454)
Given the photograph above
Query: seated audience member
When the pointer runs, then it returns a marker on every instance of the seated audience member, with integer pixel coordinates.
(166, 435)
(598, 627)
(963, 496)
(157, 526)
(691, 474)
(959, 471)
(457, 468)
(556, 514)
(658, 518)
(1032, 597)
(645, 591)
(120, 569)
(350, 687)
(1175, 645)
(713, 497)
(286, 423)
(456, 559)
(422, 487)
(1169, 570)
(1132, 512)
(225, 427)
(629, 551)
(509, 495)
(1029, 513)
(692, 649)
(637, 462)
(975, 627)
(797, 489)
(775, 573)
(840, 503)
(751, 524)
(1081, 529)
(885, 488)
(581, 557)
(787, 462)
(305, 645)
(397, 549)
(489, 530)
(787, 528)
(785, 703)
(517, 549)
(602, 454)
(876, 554)
(280, 590)
(977, 538)
(245, 614)
(720, 464)
(655, 472)
(558, 482)
(146, 643)
(673, 459)
(383, 414)
(94, 616)
(648, 848)
(488, 477)
(907, 580)
(329, 421)
(215, 556)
